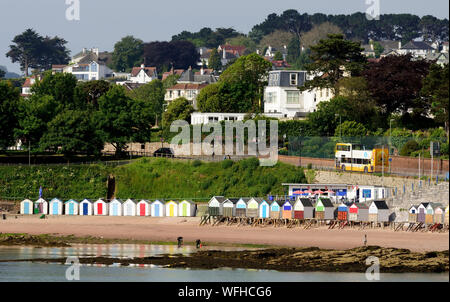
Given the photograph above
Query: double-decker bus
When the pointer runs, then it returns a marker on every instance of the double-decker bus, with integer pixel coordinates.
(355, 157)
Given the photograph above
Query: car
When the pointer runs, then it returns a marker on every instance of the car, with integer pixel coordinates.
(164, 152)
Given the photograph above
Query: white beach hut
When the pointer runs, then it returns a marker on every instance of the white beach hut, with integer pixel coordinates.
(55, 207)
(186, 208)
(143, 208)
(171, 208)
(157, 209)
(115, 207)
(264, 209)
(26, 207)
(101, 208)
(41, 206)
(71, 207)
(129, 208)
(86, 208)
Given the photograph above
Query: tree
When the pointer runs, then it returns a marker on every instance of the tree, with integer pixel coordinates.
(395, 82)
(278, 56)
(128, 53)
(170, 81)
(243, 40)
(350, 129)
(32, 50)
(88, 93)
(377, 48)
(215, 60)
(278, 39)
(435, 91)
(61, 86)
(329, 114)
(9, 98)
(178, 109)
(176, 54)
(319, 32)
(72, 132)
(209, 100)
(293, 49)
(114, 119)
(331, 58)
(2, 73)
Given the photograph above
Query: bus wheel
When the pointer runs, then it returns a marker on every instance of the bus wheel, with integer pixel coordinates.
(365, 169)
(343, 168)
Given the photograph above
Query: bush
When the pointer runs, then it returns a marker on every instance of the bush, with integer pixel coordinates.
(227, 164)
(196, 163)
(409, 148)
(309, 166)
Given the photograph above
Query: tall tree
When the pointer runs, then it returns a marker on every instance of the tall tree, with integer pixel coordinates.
(319, 32)
(176, 54)
(179, 109)
(60, 86)
(9, 98)
(214, 60)
(332, 58)
(128, 52)
(88, 93)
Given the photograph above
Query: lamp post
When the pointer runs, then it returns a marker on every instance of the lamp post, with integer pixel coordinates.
(390, 142)
(340, 122)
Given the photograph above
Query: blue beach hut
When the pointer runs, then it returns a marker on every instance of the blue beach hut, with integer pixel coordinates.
(157, 209)
(71, 207)
(55, 207)
(26, 207)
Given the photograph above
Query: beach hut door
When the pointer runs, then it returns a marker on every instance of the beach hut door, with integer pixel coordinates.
(41, 207)
(171, 211)
(185, 211)
(55, 208)
(71, 209)
(264, 211)
(157, 210)
(129, 209)
(100, 208)
(142, 209)
(115, 209)
(26, 208)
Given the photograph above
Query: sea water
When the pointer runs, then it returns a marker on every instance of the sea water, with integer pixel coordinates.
(52, 272)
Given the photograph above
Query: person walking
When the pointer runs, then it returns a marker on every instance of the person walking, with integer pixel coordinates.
(365, 239)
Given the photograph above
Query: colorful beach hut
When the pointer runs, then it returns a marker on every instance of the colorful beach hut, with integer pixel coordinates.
(186, 208)
(446, 219)
(86, 208)
(358, 212)
(26, 207)
(229, 207)
(264, 209)
(241, 207)
(378, 211)
(287, 210)
(342, 212)
(71, 207)
(275, 209)
(129, 207)
(171, 208)
(41, 206)
(157, 209)
(115, 207)
(253, 206)
(422, 212)
(215, 206)
(324, 209)
(412, 217)
(101, 208)
(55, 207)
(439, 214)
(303, 209)
(143, 208)
(429, 214)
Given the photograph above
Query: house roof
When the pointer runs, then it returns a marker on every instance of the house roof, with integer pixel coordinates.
(235, 49)
(150, 71)
(424, 204)
(389, 44)
(279, 202)
(132, 86)
(191, 77)
(381, 205)
(103, 58)
(417, 45)
(232, 200)
(172, 72)
(306, 202)
(220, 199)
(206, 71)
(188, 86)
(326, 202)
(361, 205)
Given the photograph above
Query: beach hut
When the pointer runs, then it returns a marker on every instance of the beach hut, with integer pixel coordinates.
(378, 211)
(187, 208)
(55, 207)
(439, 214)
(101, 208)
(143, 208)
(253, 206)
(275, 209)
(412, 217)
(422, 212)
(115, 207)
(41, 206)
(171, 208)
(264, 209)
(129, 207)
(157, 209)
(71, 207)
(215, 206)
(446, 220)
(429, 213)
(324, 209)
(86, 208)
(229, 207)
(303, 209)
(287, 210)
(26, 207)
(358, 212)
(241, 207)
(342, 212)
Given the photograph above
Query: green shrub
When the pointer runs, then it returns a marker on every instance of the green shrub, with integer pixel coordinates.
(196, 163)
(227, 164)
(409, 147)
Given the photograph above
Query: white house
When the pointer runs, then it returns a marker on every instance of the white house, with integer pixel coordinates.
(143, 75)
(90, 65)
(29, 82)
(417, 49)
(198, 118)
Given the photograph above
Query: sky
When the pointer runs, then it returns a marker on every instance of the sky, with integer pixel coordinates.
(104, 22)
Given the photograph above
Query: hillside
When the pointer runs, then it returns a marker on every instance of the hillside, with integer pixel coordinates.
(148, 178)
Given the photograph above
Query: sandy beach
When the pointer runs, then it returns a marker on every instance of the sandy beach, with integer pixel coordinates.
(169, 228)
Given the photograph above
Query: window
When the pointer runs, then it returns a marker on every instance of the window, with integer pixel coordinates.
(142, 146)
(293, 97)
(270, 97)
(93, 67)
(294, 79)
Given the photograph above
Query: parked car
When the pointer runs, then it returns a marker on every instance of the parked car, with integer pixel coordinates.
(164, 152)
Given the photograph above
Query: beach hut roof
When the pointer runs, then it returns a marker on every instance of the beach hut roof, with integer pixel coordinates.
(131, 199)
(245, 199)
(381, 205)
(55, 199)
(220, 199)
(435, 205)
(280, 203)
(361, 205)
(174, 201)
(306, 202)
(26, 200)
(41, 200)
(188, 201)
(258, 199)
(86, 199)
(117, 199)
(71, 200)
(326, 202)
(232, 200)
(424, 204)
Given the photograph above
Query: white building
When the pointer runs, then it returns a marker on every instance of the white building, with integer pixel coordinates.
(90, 65)
(198, 118)
(416, 49)
(143, 75)
(283, 99)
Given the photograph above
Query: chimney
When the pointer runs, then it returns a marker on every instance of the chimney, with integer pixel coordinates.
(399, 44)
(224, 55)
(202, 72)
(142, 66)
(84, 50)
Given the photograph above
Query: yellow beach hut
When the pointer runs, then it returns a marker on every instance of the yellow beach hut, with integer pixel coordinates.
(171, 208)
(446, 216)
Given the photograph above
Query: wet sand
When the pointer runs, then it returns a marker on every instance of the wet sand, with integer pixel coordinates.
(169, 228)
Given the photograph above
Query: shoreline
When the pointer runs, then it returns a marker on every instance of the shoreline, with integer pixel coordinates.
(166, 230)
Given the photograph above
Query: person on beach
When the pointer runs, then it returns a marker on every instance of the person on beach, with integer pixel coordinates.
(365, 239)
(180, 241)
(198, 243)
